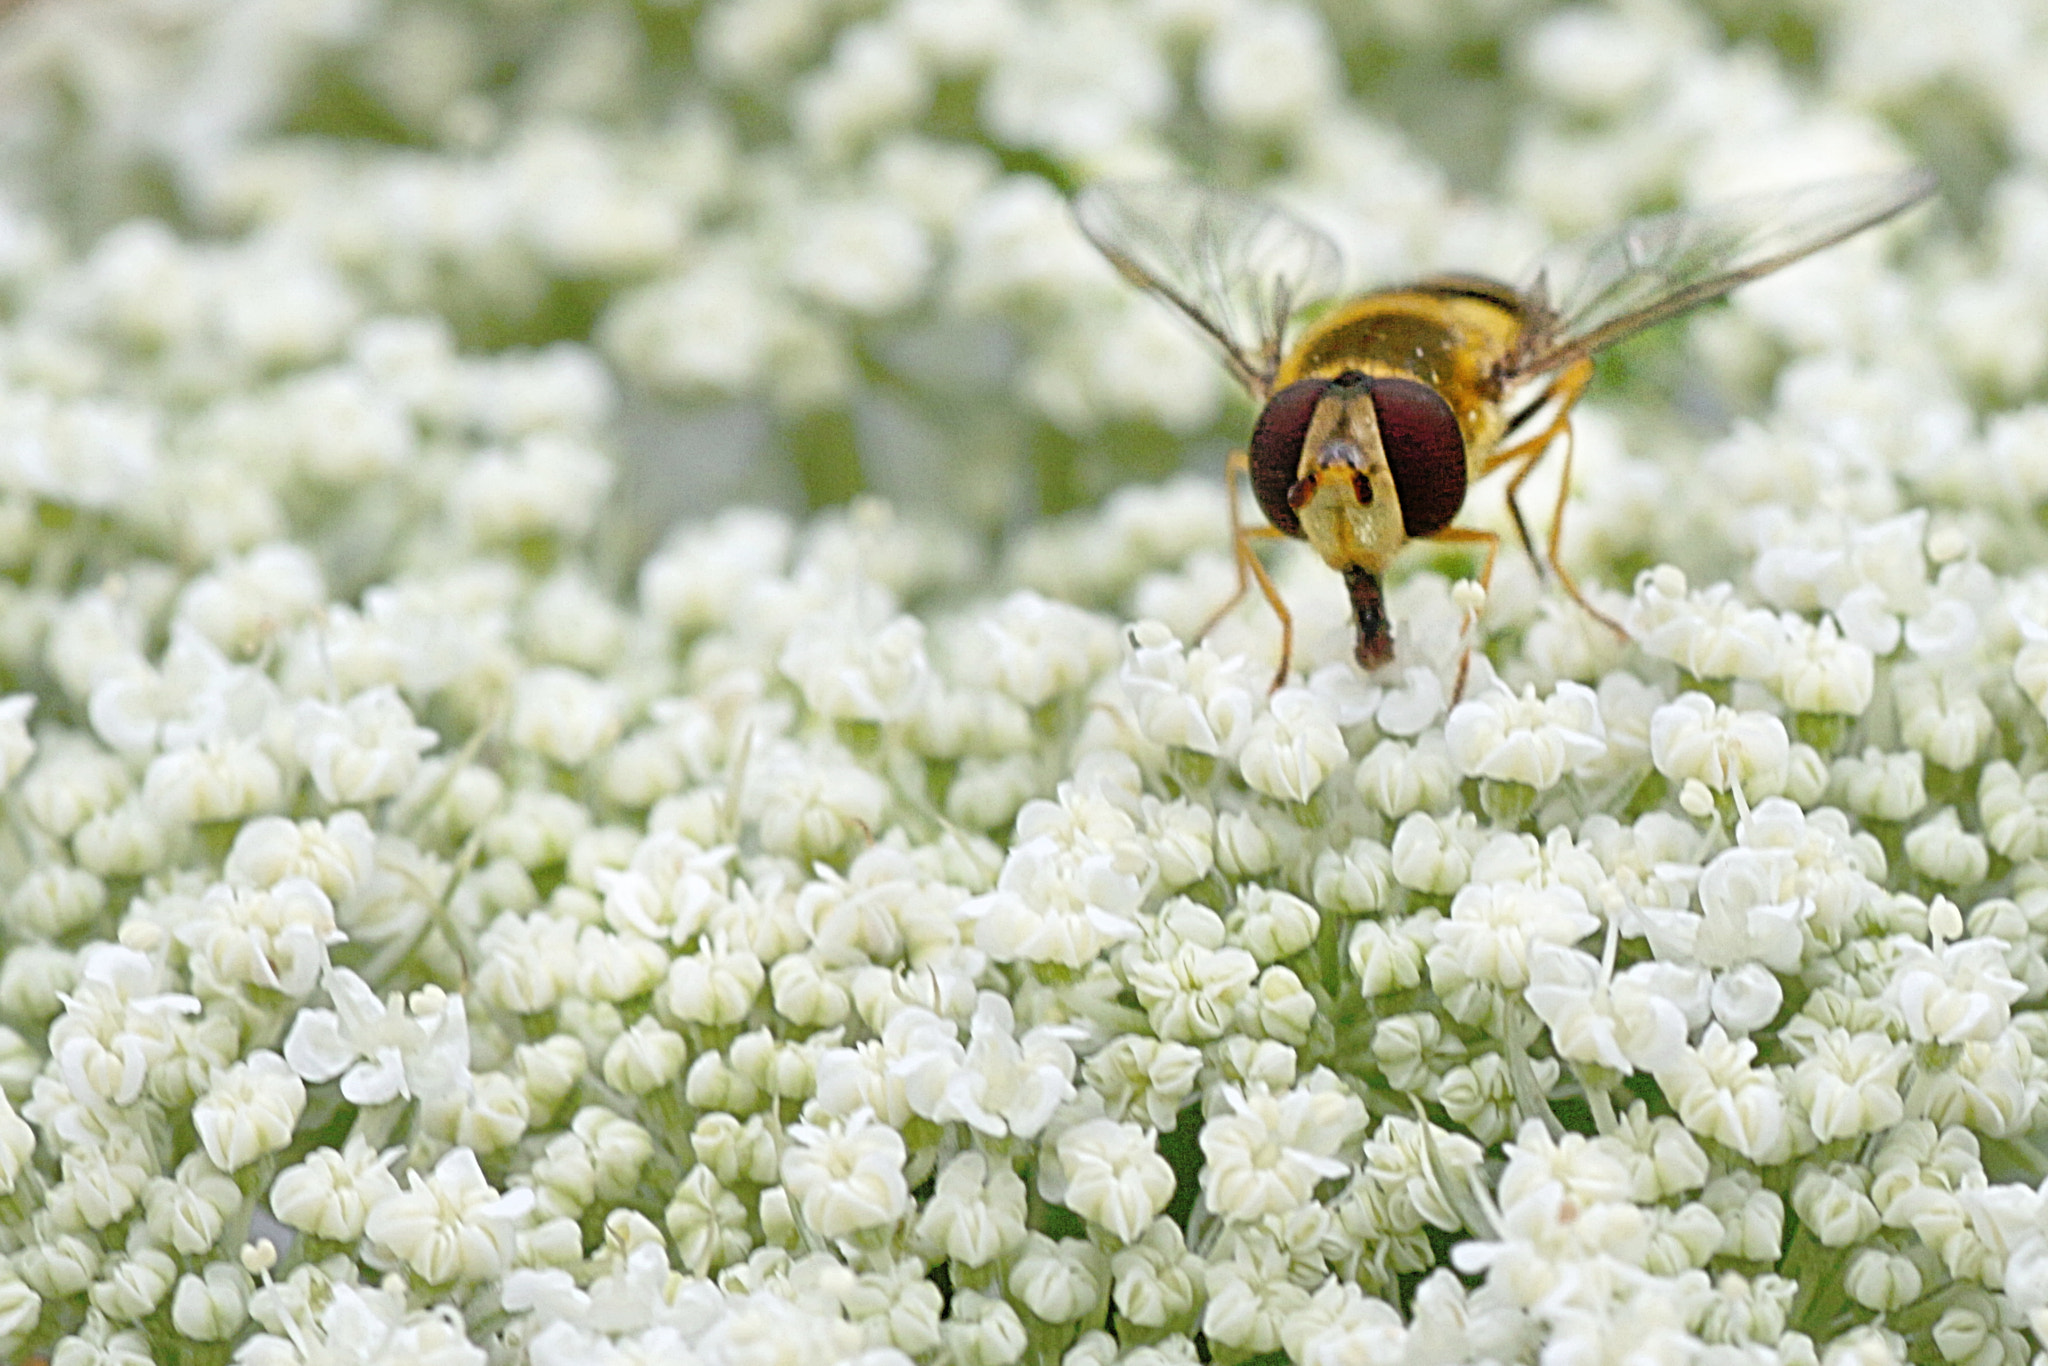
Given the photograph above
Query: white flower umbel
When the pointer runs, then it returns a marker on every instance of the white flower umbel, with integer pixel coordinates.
(1524, 739)
(602, 920)
(363, 751)
(330, 1194)
(449, 1225)
(1269, 1152)
(382, 1050)
(17, 747)
(1292, 748)
(1693, 740)
(1620, 1021)
(250, 1110)
(975, 1214)
(1006, 1084)
(1111, 1174)
(846, 1177)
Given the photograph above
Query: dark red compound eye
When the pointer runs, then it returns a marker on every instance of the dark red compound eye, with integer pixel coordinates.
(1425, 453)
(1275, 451)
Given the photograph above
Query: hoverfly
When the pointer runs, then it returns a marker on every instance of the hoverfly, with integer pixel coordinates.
(1376, 420)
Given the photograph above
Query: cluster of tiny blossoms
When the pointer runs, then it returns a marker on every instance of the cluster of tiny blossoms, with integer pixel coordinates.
(434, 929)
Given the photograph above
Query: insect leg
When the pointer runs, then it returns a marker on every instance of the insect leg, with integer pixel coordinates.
(1566, 389)
(1564, 487)
(1239, 464)
(1248, 567)
(1464, 535)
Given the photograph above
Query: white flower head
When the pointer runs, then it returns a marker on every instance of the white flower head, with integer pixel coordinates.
(1570, 1196)
(872, 82)
(564, 714)
(1112, 1174)
(1752, 910)
(809, 801)
(252, 1109)
(117, 1023)
(1268, 67)
(1292, 747)
(699, 575)
(1952, 993)
(276, 937)
(362, 751)
(1414, 706)
(854, 670)
(449, 1226)
(846, 1176)
(1433, 855)
(1940, 848)
(1267, 1155)
(1397, 778)
(1006, 1084)
(1621, 1022)
(382, 1050)
(1138, 363)
(1524, 739)
(17, 1145)
(1708, 633)
(1193, 990)
(1848, 1084)
(1493, 927)
(1060, 1281)
(1823, 672)
(88, 452)
(976, 1212)
(867, 257)
(1033, 648)
(1718, 1094)
(17, 747)
(1188, 698)
(549, 484)
(1071, 885)
(1076, 86)
(213, 780)
(330, 1194)
(1889, 787)
(1016, 244)
(2014, 811)
(1692, 739)
(249, 600)
(335, 854)
(1943, 715)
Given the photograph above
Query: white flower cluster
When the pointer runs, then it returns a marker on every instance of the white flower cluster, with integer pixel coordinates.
(436, 928)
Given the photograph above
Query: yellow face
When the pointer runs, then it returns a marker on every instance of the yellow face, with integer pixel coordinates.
(1344, 495)
(1358, 464)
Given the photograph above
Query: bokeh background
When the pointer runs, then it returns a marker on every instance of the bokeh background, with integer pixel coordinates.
(820, 245)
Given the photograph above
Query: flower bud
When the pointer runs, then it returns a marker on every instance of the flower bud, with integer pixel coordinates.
(1881, 1280)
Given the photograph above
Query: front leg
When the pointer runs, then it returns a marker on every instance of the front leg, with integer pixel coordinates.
(1249, 569)
(1463, 535)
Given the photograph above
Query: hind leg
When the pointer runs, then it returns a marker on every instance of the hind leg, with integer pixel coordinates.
(1566, 389)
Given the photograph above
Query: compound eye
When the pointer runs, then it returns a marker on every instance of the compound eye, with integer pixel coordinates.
(1275, 453)
(1425, 453)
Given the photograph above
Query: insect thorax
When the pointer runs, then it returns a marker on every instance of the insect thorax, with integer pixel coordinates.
(1449, 334)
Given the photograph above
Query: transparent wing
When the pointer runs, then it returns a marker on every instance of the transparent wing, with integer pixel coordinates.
(1590, 294)
(1236, 267)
